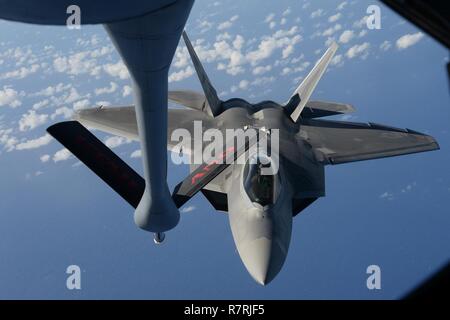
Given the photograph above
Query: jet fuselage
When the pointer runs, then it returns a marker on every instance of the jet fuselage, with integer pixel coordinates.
(260, 206)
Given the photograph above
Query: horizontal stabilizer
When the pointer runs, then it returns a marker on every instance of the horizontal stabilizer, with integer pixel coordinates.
(190, 99)
(100, 159)
(319, 109)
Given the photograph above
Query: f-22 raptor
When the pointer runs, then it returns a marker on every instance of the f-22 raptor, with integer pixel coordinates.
(260, 207)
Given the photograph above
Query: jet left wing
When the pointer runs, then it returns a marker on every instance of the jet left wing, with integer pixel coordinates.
(337, 142)
(121, 121)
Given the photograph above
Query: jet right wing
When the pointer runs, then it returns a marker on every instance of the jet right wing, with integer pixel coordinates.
(337, 142)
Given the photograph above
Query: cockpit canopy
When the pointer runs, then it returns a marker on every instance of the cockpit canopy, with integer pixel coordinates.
(261, 185)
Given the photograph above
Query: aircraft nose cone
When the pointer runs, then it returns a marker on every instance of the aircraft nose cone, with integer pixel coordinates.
(263, 259)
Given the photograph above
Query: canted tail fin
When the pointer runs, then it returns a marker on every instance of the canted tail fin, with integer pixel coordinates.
(306, 88)
(214, 103)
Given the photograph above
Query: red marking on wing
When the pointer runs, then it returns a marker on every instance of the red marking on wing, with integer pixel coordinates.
(218, 160)
(196, 177)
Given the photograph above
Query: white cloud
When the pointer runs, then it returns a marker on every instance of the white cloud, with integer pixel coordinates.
(408, 40)
(238, 42)
(329, 41)
(31, 120)
(317, 13)
(342, 5)
(328, 32)
(243, 84)
(385, 46)
(287, 51)
(227, 24)
(362, 33)
(20, 73)
(9, 97)
(52, 90)
(358, 50)
(118, 70)
(302, 66)
(337, 60)
(101, 51)
(387, 196)
(361, 23)
(298, 59)
(261, 81)
(75, 64)
(204, 25)
(136, 154)
(280, 39)
(81, 104)
(335, 17)
(61, 155)
(269, 18)
(34, 143)
(72, 96)
(181, 58)
(8, 141)
(346, 36)
(286, 71)
(115, 141)
(41, 104)
(409, 187)
(262, 69)
(65, 112)
(45, 158)
(126, 91)
(111, 89)
(287, 12)
(181, 75)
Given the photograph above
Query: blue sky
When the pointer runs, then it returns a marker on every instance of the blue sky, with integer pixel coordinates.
(391, 212)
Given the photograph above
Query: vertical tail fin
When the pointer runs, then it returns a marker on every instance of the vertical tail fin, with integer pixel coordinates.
(210, 93)
(306, 88)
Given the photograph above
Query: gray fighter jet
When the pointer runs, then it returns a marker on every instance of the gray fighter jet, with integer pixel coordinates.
(260, 206)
